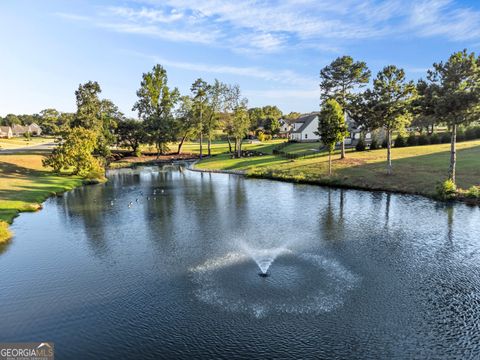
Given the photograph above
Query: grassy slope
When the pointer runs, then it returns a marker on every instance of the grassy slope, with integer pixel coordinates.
(25, 184)
(416, 169)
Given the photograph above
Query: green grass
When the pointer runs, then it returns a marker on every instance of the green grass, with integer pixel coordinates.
(20, 142)
(25, 184)
(416, 169)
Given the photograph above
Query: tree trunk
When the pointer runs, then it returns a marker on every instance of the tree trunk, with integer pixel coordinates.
(159, 149)
(179, 151)
(389, 152)
(342, 151)
(229, 144)
(453, 154)
(330, 163)
(201, 145)
(239, 147)
(209, 144)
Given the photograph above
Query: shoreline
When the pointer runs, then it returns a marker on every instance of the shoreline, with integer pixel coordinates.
(334, 184)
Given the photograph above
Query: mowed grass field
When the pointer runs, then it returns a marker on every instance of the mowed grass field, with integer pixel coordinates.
(20, 142)
(25, 184)
(416, 169)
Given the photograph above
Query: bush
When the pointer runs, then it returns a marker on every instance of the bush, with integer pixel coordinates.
(461, 135)
(384, 143)
(473, 192)
(423, 140)
(447, 190)
(261, 136)
(477, 132)
(374, 144)
(138, 152)
(471, 133)
(267, 137)
(412, 140)
(446, 138)
(360, 145)
(400, 141)
(434, 139)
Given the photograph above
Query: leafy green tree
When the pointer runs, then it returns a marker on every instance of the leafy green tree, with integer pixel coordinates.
(389, 102)
(456, 91)
(424, 107)
(96, 114)
(76, 152)
(131, 133)
(272, 115)
(339, 79)
(187, 124)
(215, 97)
(155, 105)
(240, 125)
(331, 127)
(257, 117)
(11, 119)
(49, 121)
(200, 90)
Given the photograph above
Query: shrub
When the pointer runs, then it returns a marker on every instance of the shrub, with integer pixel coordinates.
(477, 132)
(446, 138)
(412, 140)
(267, 137)
(400, 141)
(360, 145)
(374, 143)
(423, 140)
(138, 152)
(261, 136)
(447, 190)
(384, 143)
(471, 133)
(461, 135)
(473, 192)
(434, 139)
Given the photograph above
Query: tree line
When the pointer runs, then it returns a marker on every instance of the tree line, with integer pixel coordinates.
(86, 136)
(449, 95)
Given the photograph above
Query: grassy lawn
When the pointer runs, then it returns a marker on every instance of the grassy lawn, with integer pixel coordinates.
(25, 184)
(19, 142)
(416, 169)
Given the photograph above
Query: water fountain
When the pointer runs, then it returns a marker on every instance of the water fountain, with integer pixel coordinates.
(264, 258)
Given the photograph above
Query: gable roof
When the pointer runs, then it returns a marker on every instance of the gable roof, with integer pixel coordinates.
(305, 120)
(5, 129)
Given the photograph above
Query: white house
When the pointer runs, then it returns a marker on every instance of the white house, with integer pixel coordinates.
(305, 127)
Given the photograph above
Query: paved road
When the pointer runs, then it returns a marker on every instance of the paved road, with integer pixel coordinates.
(35, 148)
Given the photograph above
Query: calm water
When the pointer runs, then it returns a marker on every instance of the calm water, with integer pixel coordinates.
(356, 274)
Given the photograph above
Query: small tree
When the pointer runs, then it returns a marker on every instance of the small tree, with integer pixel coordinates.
(76, 152)
(331, 127)
(187, 125)
(339, 79)
(389, 101)
(240, 125)
(200, 91)
(456, 88)
(155, 106)
(131, 133)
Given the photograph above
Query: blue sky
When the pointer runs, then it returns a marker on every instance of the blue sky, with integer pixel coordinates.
(272, 49)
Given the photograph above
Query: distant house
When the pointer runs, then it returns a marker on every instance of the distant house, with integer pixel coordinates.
(34, 129)
(285, 128)
(20, 130)
(305, 127)
(6, 132)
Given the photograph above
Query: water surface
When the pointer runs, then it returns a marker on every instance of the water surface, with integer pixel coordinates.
(353, 274)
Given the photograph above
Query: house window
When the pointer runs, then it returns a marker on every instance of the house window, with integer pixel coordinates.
(306, 136)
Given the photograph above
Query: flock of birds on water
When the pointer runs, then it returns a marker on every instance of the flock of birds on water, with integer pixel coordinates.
(153, 197)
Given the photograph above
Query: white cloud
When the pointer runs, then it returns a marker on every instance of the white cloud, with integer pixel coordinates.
(266, 27)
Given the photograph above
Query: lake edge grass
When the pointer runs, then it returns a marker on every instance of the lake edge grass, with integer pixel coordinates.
(25, 185)
(366, 170)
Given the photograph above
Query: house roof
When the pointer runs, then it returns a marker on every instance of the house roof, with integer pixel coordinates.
(305, 120)
(5, 129)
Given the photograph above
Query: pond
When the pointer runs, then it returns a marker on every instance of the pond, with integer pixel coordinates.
(163, 262)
